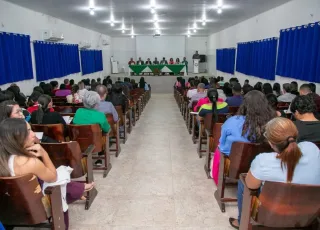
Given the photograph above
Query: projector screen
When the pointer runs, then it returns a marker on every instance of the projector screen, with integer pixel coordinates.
(163, 46)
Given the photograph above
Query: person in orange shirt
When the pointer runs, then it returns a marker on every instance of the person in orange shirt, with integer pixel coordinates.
(131, 62)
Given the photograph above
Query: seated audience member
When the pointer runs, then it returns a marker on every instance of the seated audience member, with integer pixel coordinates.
(87, 84)
(303, 108)
(267, 88)
(74, 97)
(117, 98)
(291, 162)
(286, 96)
(188, 84)
(140, 62)
(246, 126)
(33, 102)
(71, 83)
(178, 83)
(177, 61)
(127, 83)
(258, 86)
(133, 83)
(17, 96)
(67, 84)
(246, 89)
(10, 109)
(63, 91)
(171, 62)
(164, 61)
(246, 82)
(6, 95)
(227, 90)
(44, 114)
(148, 62)
(38, 89)
(276, 89)
(41, 84)
(93, 84)
(55, 87)
(313, 87)
(200, 94)
(305, 89)
(104, 106)
(273, 102)
(21, 155)
(143, 84)
(47, 89)
(89, 114)
(119, 81)
(131, 62)
(221, 81)
(82, 89)
(236, 99)
(215, 107)
(294, 88)
(156, 62)
(193, 90)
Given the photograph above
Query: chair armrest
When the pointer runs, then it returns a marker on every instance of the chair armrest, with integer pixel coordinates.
(54, 194)
(89, 150)
(246, 203)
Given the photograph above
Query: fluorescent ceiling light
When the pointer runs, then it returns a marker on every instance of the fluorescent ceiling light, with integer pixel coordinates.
(153, 10)
(204, 22)
(219, 11)
(91, 4)
(123, 31)
(220, 3)
(195, 25)
(91, 12)
(112, 24)
(132, 36)
(194, 30)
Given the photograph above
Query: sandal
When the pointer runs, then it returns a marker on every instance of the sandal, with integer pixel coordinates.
(90, 188)
(231, 220)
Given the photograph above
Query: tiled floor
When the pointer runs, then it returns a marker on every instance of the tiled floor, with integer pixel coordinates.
(157, 182)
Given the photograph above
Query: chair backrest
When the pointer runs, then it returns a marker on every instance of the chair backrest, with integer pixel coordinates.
(286, 205)
(208, 120)
(241, 156)
(120, 114)
(86, 135)
(54, 131)
(233, 109)
(68, 154)
(20, 201)
(112, 124)
(216, 134)
(193, 104)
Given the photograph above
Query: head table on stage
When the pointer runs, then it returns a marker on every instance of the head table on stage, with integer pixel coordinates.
(157, 69)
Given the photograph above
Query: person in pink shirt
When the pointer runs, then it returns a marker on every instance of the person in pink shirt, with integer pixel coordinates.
(62, 92)
(204, 101)
(171, 62)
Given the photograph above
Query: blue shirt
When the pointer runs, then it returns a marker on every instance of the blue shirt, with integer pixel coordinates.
(107, 107)
(231, 131)
(235, 100)
(266, 167)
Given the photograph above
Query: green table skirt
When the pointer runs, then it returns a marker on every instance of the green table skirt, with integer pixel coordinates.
(138, 69)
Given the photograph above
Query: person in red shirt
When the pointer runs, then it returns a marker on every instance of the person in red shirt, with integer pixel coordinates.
(131, 62)
(67, 83)
(33, 102)
(55, 87)
(171, 62)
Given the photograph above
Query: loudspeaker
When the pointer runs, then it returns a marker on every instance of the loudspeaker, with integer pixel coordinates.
(203, 58)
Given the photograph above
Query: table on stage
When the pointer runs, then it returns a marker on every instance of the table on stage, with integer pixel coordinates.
(157, 69)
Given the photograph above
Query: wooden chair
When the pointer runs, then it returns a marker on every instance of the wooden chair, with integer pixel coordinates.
(123, 123)
(280, 206)
(67, 109)
(233, 109)
(114, 134)
(239, 161)
(213, 136)
(194, 125)
(55, 131)
(70, 154)
(87, 135)
(21, 203)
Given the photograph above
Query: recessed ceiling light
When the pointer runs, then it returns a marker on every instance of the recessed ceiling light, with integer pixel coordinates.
(188, 35)
(112, 24)
(123, 31)
(132, 36)
(91, 4)
(219, 11)
(204, 22)
(153, 10)
(158, 31)
(91, 12)
(220, 3)
(194, 30)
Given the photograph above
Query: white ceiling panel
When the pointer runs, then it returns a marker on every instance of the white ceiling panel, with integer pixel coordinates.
(174, 16)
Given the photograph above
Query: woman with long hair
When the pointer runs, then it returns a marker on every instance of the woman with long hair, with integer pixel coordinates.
(74, 98)
(258, 86)
(17, 95)
(10, 109)
(44, 114)
(33, 101)
(276, 89)
(267, 88)
(171, 62)
(142, 83)
(291, 162)
(19, 155)
(246, 126)
(177, 61)
(273, 102)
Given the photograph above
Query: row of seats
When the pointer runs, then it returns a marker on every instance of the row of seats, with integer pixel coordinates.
(21, 197)
(258, 212)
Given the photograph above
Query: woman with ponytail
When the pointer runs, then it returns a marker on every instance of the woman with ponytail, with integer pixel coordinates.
(44, 114)
(291, 162)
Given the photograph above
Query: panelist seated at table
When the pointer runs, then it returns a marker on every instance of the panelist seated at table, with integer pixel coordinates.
(140, 62)
(148, 62)
(171, 62)
(177, 61)
(131, 62)
(164, 61)
(156, 62)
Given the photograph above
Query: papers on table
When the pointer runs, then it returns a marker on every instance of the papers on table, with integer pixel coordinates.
(194, 113)
(67, 119)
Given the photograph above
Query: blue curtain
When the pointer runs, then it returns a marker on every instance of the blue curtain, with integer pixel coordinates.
(258, 58)
(15, 58)
(55, 60)
(91, 61)
(226, 60)
(299, 53)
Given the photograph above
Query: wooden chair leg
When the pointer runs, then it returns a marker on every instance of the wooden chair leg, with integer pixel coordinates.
(219, 193)
(125, 134)
(207, 166)
(134, 113)
(194, 123)
(130, 120)
(202, 139)
(54, 194)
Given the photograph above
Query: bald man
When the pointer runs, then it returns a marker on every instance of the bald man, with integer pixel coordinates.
(105, 106)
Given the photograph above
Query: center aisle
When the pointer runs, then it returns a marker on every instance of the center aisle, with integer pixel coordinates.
(157, 182)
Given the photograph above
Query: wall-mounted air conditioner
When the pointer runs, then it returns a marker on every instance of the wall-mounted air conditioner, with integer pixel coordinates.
(84, 45)
(52, 36)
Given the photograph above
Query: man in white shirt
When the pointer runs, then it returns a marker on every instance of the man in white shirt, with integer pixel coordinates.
(191, 92)
(287, 96)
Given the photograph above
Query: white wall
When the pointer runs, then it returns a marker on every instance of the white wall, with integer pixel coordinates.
(265, 25)
(123, 48)
(17, 19)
